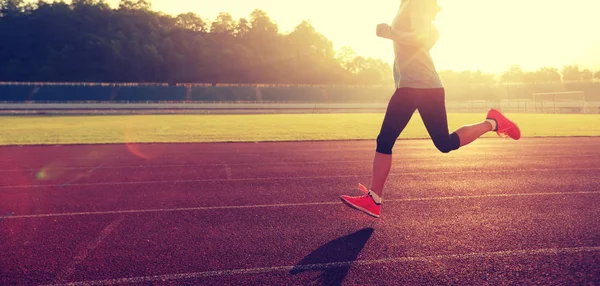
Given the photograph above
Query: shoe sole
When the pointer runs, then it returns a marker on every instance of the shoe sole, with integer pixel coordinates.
(513, 123)
(359, 208)
(515, 126)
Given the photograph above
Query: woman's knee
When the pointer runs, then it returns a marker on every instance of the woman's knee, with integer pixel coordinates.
(444, 148)
(448, 143)
(385, 142)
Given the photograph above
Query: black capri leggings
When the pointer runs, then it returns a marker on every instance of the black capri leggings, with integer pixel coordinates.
(432, 108)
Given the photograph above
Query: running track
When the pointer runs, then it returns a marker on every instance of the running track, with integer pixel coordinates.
(495, 212)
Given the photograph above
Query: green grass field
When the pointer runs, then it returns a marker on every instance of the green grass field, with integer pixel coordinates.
(252, 128)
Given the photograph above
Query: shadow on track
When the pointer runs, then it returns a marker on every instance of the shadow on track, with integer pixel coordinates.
(333, 259)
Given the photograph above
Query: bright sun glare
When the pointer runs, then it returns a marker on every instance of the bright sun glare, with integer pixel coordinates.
(489, 35)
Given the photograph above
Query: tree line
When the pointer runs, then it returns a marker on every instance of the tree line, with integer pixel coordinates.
(88, 41)
(545, 75)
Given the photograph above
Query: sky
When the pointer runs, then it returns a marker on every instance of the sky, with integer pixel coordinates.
(486, 35)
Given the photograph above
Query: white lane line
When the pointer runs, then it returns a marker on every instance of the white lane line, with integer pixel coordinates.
(478, 171)
(6, 215)
(81, 175)
(228, 171)
(295, 205)
(322, 266)
(86, 250)
(133, 166)
(206, 165)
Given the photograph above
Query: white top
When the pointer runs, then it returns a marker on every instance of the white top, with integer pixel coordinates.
(413, 65)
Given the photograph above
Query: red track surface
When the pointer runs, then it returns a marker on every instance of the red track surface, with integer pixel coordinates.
(495, 212)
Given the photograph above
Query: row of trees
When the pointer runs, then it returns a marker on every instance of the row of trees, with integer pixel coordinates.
(548, 75)
(89, 41)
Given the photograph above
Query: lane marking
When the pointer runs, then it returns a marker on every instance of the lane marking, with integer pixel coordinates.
(203, 165)
(295, 205)
(479, 171)
(322, 266)
(287, 163)
(570, 142)
(81, 175)
(83, 253)
(228, 171)
(2, 217)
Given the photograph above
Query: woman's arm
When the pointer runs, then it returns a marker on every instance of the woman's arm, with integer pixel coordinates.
(417, 16)
(421, 38)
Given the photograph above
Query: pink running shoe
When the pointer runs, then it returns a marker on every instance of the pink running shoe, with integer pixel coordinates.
(505, 127)
(363, 203)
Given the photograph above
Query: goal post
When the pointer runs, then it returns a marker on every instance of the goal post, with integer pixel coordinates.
(556, 102)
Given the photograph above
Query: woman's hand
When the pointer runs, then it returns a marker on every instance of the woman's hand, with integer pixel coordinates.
(384, 30)
(423, 38)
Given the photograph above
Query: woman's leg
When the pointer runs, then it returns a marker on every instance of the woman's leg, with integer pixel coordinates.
(469, 133)
(400, 109)
(382, 163)
(432, 108)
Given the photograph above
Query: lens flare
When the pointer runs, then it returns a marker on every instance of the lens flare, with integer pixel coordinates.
(137, 131)
(138, 150)
(51, 171)
(41, 175)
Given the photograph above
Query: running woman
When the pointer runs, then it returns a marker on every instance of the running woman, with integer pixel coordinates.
(418, 87)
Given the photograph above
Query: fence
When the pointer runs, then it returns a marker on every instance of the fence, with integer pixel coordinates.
(161, 92)
(265, 108)
(12, 92)
(200, 98)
